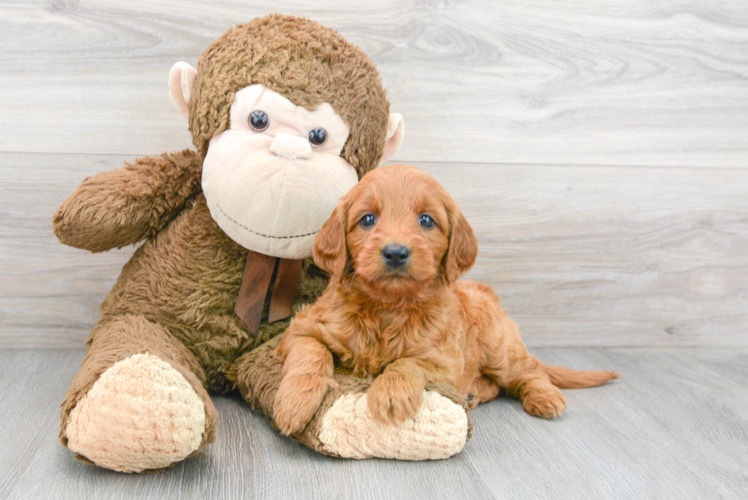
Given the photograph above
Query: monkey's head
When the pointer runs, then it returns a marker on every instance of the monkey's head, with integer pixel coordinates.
(287, 116)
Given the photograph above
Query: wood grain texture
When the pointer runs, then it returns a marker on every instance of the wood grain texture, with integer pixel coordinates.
(49, 293)
(584, 83)
(581, 256)
(598, 148)
(672, 427)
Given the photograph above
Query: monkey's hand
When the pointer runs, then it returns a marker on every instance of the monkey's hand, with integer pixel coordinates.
(343, 426)
(121, 207)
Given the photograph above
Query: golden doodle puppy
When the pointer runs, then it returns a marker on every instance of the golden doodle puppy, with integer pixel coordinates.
(394, 247)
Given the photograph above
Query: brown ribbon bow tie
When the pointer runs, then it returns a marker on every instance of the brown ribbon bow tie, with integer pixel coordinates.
(258, 273)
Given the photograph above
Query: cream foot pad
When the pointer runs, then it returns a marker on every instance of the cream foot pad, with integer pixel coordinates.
(141, 414)
(439, 430)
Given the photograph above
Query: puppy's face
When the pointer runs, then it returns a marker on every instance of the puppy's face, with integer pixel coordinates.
(396, 232)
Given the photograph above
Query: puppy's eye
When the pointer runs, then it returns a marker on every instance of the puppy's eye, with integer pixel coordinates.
(259, 121)
(368, 220)
(426, 221)
(318, 136)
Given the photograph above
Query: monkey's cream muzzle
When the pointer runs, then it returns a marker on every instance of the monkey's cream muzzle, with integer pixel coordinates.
(291, 147)
(271, 191)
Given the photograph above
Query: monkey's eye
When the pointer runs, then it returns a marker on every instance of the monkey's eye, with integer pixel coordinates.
(426, 221)
(259, 120)
(368, 220)
(318, 136)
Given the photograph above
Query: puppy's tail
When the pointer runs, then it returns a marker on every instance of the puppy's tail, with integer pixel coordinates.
(566, 378)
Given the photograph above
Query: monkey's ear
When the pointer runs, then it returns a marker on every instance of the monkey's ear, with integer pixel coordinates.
(394, 137)
(181, 82)
(463, 248)
(329, 250)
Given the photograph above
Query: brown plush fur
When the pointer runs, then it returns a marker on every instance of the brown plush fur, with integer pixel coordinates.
(118, 208)
(175, 297)
(304, 62)
(411, 325)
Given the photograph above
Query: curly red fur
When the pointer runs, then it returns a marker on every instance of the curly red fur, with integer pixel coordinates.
(409, 325)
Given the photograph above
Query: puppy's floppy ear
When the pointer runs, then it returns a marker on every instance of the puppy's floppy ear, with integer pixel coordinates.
(330, 251)
(463, 246)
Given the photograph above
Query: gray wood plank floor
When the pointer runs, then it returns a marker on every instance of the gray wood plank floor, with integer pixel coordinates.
(673, 426)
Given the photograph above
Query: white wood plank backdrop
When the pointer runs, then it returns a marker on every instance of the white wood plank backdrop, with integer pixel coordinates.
(599, 148)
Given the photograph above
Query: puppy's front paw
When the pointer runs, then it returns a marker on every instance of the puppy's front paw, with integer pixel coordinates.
(297, 401)
(548, 402)
(394, 398)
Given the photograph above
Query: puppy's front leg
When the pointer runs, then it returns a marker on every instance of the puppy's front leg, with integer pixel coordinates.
(397, 394)
(307, 375)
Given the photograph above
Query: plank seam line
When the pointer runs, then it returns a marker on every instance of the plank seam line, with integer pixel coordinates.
(426, 162)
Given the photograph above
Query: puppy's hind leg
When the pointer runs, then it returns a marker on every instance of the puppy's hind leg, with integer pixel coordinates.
(511, 367)
(482, 390)
(539, 396)
(509, 364)
(539, 389)
(527, 382)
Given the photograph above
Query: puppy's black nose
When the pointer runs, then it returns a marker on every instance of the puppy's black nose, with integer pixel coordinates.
(395, 255)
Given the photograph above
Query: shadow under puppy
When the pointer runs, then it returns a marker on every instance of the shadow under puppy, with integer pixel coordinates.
(394, 247)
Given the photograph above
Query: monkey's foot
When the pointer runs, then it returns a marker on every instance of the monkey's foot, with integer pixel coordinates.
(438, 430)
(141, 414)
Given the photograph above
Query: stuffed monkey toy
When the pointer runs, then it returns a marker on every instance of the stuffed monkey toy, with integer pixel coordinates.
(285, 117)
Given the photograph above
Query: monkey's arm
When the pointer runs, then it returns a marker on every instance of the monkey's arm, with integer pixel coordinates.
(118, 208)
(343, 426)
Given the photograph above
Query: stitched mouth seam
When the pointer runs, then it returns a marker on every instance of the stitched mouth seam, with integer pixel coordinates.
(263, 235)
